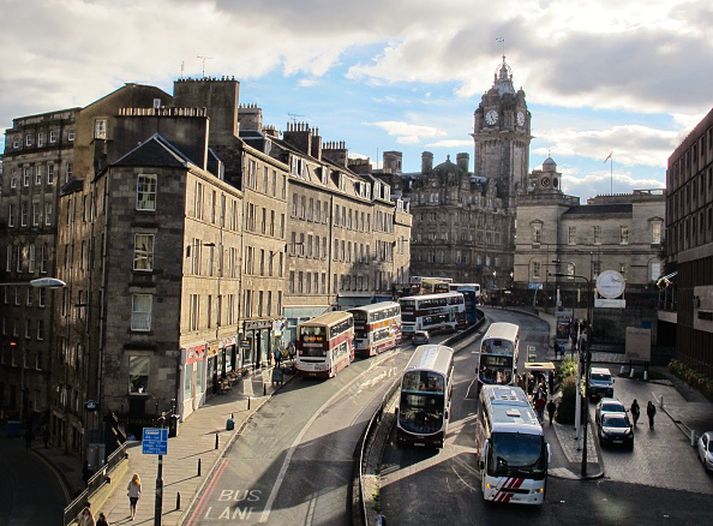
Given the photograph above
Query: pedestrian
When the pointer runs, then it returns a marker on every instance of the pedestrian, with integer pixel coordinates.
(635, 411)
(291, 351)
(86, 518)
(651, 413)
(133, 491)
(551, 409)
(557, 348)
(101, 520)
(278, 358)
(540, 408)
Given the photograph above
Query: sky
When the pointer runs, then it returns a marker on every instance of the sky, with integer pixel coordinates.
(600, 76)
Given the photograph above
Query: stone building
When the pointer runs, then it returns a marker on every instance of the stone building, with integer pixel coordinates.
(556, 234)
(686, 308)
(37, 161)
(463, 221)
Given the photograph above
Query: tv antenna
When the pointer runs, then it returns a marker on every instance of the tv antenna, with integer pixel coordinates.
(294, 116)
(203, 58)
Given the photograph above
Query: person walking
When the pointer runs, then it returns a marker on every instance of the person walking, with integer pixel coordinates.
(540, 404)
(551, 409)
(133, 491)
(651, 413)
(635, 411)
(101, 520)
(86, 518)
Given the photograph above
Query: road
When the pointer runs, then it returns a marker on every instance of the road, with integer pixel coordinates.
(293, 462)
(29, 492)
(421, 486)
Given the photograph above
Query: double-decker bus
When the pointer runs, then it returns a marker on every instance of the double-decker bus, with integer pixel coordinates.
(430, 284)
(325, 344)
(377, 327)
(510, 446)
(471, 295)
(425, 398)
(432, 312)
(499, 352)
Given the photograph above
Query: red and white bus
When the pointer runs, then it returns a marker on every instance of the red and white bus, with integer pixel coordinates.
(432, 312)
(377, 327)
(325, 344)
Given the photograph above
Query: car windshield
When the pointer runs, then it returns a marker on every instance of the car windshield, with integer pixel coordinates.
(517, 454)
(599, 377)
(615, 421)
(612, 408)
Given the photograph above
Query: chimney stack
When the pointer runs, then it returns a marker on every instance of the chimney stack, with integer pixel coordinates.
(462, 160)
(426, 162)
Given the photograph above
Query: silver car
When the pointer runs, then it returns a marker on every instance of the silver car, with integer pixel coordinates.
(705, 450)
(608, 405)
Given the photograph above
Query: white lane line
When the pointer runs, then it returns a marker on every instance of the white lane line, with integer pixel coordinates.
(461, 479)
(470, 386)
(298, 439)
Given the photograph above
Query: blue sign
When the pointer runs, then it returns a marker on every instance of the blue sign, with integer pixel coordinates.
(155, 441)
(535, 286)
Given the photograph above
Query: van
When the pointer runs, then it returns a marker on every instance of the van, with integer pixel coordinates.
(421, 338)
(601, 383)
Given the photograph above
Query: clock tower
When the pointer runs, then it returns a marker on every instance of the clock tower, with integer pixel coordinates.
(502, 137)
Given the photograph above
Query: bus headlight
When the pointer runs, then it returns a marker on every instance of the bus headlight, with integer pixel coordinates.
(541, 490)
(488, 485)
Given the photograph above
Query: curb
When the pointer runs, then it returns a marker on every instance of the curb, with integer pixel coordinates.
(238, 431)
(59, 475)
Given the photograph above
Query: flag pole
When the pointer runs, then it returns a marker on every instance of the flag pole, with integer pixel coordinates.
(611, 175)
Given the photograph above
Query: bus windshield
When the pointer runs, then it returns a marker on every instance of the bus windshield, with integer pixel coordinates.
(495, 369)
(497, 346)
(313, 341)
(517, 455)
(422, 402)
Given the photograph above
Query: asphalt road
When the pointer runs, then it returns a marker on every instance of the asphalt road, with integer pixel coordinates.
(422, 486)
(29, 492)
(293, 462)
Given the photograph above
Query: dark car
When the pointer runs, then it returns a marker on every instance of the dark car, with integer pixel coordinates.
(616, 429)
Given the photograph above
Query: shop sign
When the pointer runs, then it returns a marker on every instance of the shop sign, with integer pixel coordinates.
(258, 325)
(195, 354)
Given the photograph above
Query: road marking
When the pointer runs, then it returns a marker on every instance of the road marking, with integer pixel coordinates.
(467, 393)
(298, 439)
(208, 490)
(463, 481)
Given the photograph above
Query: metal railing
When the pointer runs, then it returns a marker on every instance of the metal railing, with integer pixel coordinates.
(95, 482)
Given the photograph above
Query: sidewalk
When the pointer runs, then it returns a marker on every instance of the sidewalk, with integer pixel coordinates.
(67, 468)
(196, 440)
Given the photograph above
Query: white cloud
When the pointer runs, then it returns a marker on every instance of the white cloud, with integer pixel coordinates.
(631, 144)
(407, 133)
(599, 182)
(451, 143)
(307, 82)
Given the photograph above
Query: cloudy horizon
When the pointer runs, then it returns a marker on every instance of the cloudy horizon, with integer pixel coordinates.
(600, 76)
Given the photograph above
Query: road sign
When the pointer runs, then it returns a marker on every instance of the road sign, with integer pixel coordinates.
(534, 286)
(155, 441)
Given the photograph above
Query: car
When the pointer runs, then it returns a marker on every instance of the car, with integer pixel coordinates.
(705, 450)
(421, 338)
(601, 383)
(608, 405)
(616, 429)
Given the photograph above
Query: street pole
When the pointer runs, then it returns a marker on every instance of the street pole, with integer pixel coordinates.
(158, 505)
(587, 360)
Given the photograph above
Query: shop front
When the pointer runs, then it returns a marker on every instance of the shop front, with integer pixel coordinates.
(256, 343)
(193, 379)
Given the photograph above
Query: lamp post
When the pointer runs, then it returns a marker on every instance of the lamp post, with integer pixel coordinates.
(39, 283)
(587, 363)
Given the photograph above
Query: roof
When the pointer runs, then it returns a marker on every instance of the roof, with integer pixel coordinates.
(431, 358)
(430, 296)
(502, 330)
(376, 306)
(509, 409)
(154, 151)
(328, 318)
(71, 186)
(614, 208)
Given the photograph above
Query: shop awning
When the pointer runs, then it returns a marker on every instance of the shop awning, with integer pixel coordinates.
(539, 366)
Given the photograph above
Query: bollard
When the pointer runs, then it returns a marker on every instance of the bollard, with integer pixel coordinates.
(661, 402)
(693, 438)
(232, 416)
(631, 372)
(646, 376)
(199, 468)
(264, 389)
(248, 403)
(178, 500)
(621, 371)
(217, 440)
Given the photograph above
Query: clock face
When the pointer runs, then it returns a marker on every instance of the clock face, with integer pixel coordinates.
(610, 284)
(491, 117)
(520, 118)
(545, 182)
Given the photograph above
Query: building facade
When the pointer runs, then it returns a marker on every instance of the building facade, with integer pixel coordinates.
(687, 298)
(37, 161)
(558, 235)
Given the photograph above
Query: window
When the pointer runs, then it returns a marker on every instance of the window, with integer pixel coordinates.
(28, 140)
(654, 270)
(31, 264)
(141, 312)
(41, 297)
(624, 235)
(43, 258)
(572, 235)
(26, 176)
(596, 268)
(13, 179)
(70, 135)
(100, 129)
(50, 173)
(10, 215)
(68, 171)
(53, 136)
(35, 214)
(139, 367)
(656, 227)
(536, 233)
(40, 329)
(23, 214)
(40, 140)
(143, 251)
(597, 235)
(38, 174)
(48, 214)
(146, 192)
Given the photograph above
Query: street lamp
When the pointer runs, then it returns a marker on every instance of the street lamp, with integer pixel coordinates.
(587, 363)
(39, 283)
